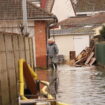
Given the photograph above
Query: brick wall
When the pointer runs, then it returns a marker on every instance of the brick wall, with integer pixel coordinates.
(40, 44)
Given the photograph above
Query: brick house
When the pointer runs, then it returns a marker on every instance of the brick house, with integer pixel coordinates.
(39, 20)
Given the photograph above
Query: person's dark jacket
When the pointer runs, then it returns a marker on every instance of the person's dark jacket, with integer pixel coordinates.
(52, 50)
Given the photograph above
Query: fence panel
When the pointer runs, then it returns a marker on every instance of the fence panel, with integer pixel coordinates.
(12, 48)
(16, 53)
(27, 50)
(11, 68)
(21, 47)
(5, 94)
(31, 52)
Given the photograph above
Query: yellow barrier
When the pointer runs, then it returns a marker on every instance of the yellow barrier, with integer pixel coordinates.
(43, 90)
(34, 75)
(59, 103)
(21, 80)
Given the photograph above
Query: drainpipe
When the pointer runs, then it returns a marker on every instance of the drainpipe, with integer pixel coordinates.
(54, 24)
(55, 21)
(25, 23)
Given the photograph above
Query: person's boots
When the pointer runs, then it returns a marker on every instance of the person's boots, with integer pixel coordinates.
(55, 66)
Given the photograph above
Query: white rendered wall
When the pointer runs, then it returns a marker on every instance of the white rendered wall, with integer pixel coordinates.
(65, 45)
(80, 43)
(63, 9)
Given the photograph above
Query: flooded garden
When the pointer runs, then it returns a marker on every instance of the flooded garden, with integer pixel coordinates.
(81, 85)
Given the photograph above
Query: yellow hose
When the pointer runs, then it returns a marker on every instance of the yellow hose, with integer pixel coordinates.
(34, 75)
(60, 103)
(21, 79)
(44, 90)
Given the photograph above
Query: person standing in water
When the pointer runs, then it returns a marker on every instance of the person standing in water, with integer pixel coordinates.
(52, 51)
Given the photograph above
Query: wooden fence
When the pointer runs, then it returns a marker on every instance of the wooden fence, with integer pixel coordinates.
(12, 48)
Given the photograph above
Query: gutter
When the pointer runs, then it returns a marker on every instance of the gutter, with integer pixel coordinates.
(70, 34)
(36, 18)
(52, 20)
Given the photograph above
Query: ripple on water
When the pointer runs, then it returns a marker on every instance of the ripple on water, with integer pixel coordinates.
(81, 86)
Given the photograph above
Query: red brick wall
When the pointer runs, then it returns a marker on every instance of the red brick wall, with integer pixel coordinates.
(43, 3)
(40, 44)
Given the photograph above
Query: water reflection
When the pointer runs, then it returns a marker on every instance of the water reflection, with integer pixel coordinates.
(81, 86)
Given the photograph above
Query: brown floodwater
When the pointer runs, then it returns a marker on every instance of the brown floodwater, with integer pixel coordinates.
(81, 85)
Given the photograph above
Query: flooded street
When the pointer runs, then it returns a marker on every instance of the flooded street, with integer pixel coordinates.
(81, 86)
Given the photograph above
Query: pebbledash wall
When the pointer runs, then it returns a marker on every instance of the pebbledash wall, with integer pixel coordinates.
(12, 48)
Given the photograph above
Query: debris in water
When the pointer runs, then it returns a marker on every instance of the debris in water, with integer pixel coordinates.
(86, 57)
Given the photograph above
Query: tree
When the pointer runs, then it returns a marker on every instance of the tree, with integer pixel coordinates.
(102, 32)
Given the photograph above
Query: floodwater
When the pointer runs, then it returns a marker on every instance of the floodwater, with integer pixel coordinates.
(81, 86)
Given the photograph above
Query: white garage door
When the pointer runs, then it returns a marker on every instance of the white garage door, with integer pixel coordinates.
(80, 43)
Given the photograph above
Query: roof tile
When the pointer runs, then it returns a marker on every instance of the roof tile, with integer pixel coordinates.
(89, 5)
(86, 20)
(12, 9)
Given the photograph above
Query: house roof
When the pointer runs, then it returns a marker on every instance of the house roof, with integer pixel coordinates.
(72, 21)
(72, 31)
(83, 20)
(89, 5)
(12, 9)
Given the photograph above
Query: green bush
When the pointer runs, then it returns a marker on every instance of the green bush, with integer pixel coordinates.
(102, 32)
